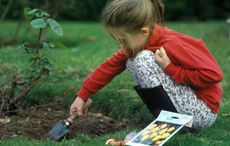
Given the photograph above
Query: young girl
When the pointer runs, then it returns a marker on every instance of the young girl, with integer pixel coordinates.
(172, 71)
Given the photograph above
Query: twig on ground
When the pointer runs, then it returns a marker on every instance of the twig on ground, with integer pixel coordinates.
(3, 101)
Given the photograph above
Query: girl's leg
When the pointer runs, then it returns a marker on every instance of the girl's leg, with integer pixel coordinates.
(148, 74)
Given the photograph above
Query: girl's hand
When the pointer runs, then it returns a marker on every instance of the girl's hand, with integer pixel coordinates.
(162, 58)
(77, 106)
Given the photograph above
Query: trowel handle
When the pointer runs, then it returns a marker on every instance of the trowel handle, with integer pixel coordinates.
(74, 116)
(87, 105)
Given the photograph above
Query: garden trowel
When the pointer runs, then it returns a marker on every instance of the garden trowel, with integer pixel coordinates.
(61, 129)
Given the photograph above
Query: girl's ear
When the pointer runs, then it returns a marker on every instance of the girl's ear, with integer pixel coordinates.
(145, 30)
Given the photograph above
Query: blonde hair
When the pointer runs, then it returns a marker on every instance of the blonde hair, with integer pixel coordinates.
(129, 16)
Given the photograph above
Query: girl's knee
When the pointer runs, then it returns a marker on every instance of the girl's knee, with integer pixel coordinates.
(144, 54)
(145, 59)
(145, 70)
(140, 60)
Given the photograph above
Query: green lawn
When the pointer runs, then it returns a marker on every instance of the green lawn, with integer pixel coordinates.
(88, 45)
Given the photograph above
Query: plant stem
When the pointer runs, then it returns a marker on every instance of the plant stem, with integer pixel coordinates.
(40, 35)
(6, 10)
(39, 41)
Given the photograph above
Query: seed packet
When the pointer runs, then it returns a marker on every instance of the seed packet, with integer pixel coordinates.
(161, 129)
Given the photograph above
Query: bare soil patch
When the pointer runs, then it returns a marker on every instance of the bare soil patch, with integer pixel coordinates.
(35, 122)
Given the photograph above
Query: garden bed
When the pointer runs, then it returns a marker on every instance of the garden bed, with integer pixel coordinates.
(35, 122)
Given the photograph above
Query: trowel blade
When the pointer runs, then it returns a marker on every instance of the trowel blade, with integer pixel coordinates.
(58, 131)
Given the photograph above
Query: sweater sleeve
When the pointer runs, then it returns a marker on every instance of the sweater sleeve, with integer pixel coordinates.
(103, 74)
(192, 64)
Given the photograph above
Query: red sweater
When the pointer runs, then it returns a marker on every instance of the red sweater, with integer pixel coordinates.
(191, 64)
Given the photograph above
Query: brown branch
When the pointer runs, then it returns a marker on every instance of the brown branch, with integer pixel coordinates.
(14, 82)
(25, 92)
(17, 82)
(3, 83)
(12, 90)
(3, 102)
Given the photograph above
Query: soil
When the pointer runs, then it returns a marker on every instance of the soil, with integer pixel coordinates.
(35, 122)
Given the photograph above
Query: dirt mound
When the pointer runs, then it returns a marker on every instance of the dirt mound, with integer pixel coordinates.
(35, 123)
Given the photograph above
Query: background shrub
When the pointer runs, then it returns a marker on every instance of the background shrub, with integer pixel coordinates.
(91, 9)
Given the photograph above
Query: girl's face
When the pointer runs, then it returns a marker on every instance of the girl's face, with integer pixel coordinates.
(136, 40)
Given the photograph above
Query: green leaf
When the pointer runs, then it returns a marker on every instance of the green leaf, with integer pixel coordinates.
(52, 45)
(55, 26)
(30, 13)
(26, 10)
(60, 46)
(22, 46)
(38, 23)
(27, 13)
(44, 60)
(33, 59)
(41, 13)
(48, 67)
(45, 45)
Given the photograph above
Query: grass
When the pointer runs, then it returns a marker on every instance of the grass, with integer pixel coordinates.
(88, 45)
(82, 140)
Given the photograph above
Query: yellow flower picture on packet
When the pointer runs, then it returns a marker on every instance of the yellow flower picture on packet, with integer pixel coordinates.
(161, 129)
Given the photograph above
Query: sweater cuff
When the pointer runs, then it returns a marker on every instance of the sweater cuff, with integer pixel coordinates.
(83, 94)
